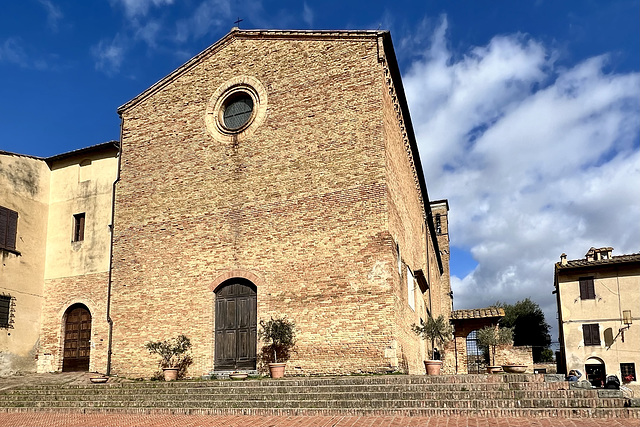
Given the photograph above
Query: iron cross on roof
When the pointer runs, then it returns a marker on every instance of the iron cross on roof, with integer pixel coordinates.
(238, 21)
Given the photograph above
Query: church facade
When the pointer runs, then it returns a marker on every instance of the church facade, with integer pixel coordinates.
(274, 174)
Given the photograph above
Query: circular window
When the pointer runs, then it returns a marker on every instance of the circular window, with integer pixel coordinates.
(237, 111)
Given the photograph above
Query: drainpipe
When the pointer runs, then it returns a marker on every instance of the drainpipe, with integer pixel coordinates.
(113, 214)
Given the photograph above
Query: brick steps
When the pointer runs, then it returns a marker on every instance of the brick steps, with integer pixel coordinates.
(469, 395)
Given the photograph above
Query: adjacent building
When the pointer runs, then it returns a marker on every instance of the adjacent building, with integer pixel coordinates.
(55, 237)
(598, 310)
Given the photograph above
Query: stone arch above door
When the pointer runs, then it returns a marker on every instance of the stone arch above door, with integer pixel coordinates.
(236, 273)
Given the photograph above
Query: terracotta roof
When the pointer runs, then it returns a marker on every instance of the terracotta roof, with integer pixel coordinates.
(577, 263)
(477, 313)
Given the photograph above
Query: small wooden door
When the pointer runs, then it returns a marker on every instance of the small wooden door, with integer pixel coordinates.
(235, 327)
(77, 339)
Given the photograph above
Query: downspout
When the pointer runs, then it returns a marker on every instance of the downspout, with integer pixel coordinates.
(426, 238)
(113, 214)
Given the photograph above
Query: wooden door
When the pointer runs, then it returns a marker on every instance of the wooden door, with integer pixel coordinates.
(77, 339)
(235, 327)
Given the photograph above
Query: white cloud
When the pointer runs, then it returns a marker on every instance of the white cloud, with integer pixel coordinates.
(12, 51)
(535, 160)
(135, 8)
(307, 14)
(108, 55)
(209, 17)
(54, 14)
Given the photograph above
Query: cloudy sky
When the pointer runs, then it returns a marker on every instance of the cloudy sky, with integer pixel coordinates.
(527, 113)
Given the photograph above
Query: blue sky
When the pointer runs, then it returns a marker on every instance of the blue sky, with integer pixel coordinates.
(526, 112)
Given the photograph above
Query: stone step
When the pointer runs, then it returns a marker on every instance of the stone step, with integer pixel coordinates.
(342, 403)
(317, 394)
(611, 413)
(225, 386)
(344, 395)
(203, 394)
(258, 388)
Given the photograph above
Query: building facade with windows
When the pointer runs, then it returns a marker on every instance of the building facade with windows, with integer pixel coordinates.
(598, 301)
(274, 174)
(55, 214)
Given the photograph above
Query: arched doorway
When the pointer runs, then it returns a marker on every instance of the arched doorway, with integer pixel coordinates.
(596, 371)
(235, 325)
(77, 339)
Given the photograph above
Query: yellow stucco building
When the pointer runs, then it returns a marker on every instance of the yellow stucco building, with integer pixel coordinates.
(598, 306)
(55, 215)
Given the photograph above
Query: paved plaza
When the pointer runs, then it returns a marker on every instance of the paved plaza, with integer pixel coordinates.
(52, 419)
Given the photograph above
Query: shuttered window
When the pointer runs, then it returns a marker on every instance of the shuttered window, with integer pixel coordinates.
(8, 228)
(587, 290)
(591, 334)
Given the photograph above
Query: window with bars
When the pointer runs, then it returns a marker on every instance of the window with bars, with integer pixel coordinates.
(628, 372)
(8, 228)
(591, 334)
(78, 227)
(587, 289)
(6, 319)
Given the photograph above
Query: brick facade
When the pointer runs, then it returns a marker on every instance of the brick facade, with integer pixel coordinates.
(311, 206)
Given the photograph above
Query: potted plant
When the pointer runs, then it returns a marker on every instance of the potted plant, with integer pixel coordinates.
(437, 331)
(175, 356)
(279, 336)
(492, 336)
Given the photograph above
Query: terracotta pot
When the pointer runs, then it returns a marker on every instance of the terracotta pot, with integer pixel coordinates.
(170, 374)
(433, 366)
(514, 369)
(277, 369)
(494, 369)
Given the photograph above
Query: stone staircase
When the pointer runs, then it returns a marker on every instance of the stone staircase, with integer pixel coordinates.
(505, 395)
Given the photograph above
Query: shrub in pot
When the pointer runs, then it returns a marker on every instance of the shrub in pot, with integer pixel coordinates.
(175, 356)
(279, 337)
(437, 331)
(491, 337)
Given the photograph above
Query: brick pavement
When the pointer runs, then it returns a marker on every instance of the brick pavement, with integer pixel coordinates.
(53, 419)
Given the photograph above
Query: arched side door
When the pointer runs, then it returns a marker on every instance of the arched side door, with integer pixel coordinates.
(235, 325)
(77, 339)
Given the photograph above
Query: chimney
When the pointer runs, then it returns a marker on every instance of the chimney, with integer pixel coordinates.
(563, 259)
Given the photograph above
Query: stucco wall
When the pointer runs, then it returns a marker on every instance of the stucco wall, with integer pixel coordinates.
(24, 188)
(77, 272)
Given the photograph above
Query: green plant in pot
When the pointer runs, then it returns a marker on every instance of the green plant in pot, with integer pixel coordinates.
(175, 356)
(491, 337)
(438, 332)
(279, 337)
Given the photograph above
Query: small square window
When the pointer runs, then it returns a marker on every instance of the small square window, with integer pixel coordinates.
(78, 227)
(587, 289)
(591, 334)
(628, 372)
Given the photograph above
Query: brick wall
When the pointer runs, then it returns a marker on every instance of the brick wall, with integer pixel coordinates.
(89, 290)
(303, 203)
